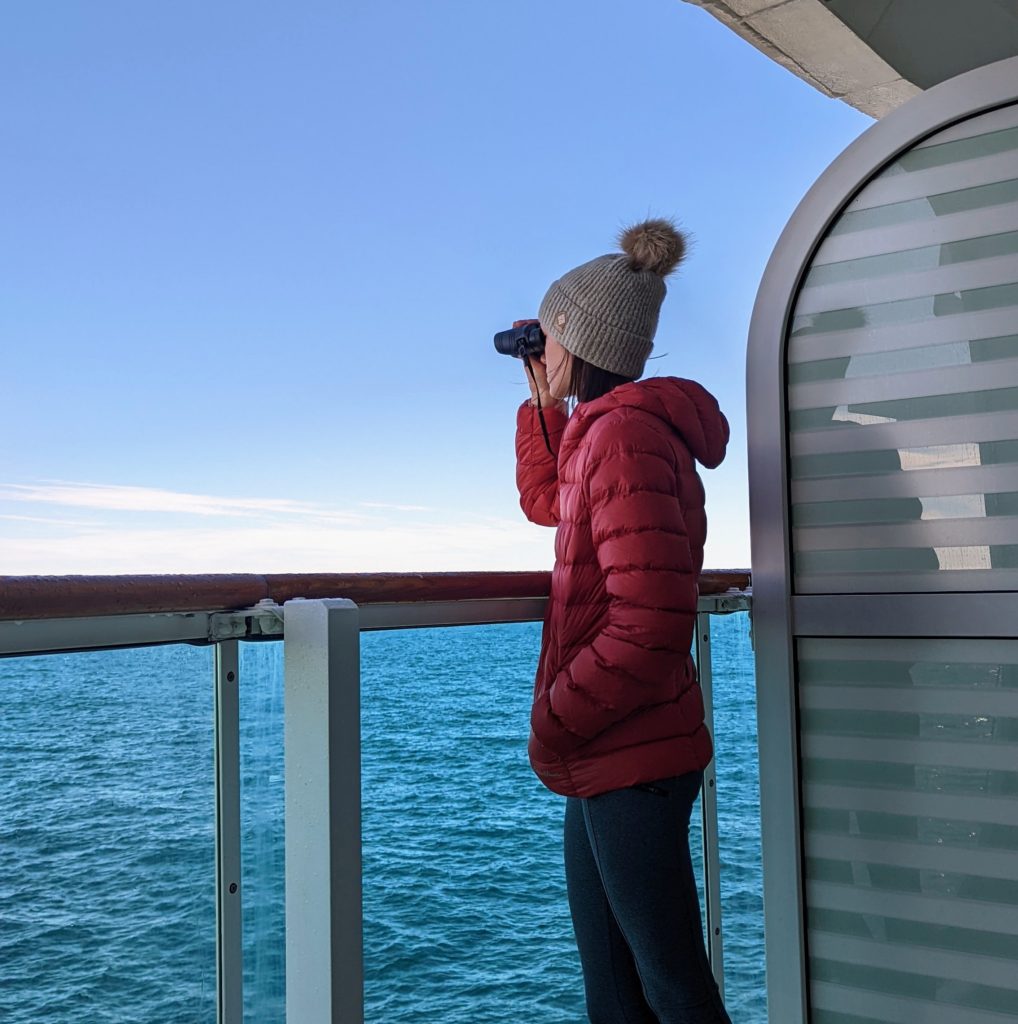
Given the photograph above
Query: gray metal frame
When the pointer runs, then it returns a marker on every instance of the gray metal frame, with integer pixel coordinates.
(49, 636)
(773, 605)
(229, 919)
(322, 780)
(262, 622)
(709, 811)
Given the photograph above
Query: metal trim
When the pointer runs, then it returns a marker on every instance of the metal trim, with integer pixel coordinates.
(995, 120)
(977, 614)
(423, 614)
(263, 621)
(977, 650)
(725, 604)
(711, 853)
(942, 582)
(46, 636)
(229, 892)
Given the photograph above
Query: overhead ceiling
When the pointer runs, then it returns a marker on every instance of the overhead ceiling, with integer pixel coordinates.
(874, 54)
(929, 41)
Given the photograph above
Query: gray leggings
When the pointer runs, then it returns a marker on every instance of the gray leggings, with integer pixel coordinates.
(633, 899)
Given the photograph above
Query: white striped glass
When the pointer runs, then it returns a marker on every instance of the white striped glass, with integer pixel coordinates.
(910, 829)
(903, 376)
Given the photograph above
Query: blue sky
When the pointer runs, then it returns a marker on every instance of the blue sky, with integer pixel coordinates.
(254, 255)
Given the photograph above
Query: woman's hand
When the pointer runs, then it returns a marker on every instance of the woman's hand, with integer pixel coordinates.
(539, 382)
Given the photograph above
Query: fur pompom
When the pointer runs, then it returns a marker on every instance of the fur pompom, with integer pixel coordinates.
(655, 245)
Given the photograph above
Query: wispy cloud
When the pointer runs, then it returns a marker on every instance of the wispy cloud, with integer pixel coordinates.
(431, 547)
(152, 530)
(48, 520)
(394, 508)
(120, 498)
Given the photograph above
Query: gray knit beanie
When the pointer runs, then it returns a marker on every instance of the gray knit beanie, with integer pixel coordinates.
(606, 311)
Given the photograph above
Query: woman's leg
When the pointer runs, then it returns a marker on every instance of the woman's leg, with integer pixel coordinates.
(640, 842)
(613, 990)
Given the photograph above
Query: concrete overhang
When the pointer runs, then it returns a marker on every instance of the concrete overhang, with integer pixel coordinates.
(874, 54)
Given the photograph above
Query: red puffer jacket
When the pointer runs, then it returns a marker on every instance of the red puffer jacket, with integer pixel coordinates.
(616, 701)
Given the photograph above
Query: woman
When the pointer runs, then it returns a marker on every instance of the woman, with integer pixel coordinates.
(617, 720)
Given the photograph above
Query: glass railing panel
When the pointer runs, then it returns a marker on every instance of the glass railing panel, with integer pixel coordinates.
(107, 893)
(261, 822)
(465, 911)
(464, 890)
(736, 766)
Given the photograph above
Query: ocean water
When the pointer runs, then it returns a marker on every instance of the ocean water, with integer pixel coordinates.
(107, 837)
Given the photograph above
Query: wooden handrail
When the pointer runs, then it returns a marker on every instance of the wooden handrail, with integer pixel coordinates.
(61, 597)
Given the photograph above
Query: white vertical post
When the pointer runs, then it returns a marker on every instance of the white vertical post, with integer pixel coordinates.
(321, 740)
(709, 807)
(229, 941)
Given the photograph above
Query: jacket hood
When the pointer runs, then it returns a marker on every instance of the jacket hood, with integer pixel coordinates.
(687, 407)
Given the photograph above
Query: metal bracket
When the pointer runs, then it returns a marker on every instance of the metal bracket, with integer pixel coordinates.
(263, 621)
(725, 604)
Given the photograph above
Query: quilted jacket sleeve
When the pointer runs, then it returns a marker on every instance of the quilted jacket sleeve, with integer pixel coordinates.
(639, 533)
(536, 467)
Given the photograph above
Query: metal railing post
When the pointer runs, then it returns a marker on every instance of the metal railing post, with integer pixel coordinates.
(709, 807)
(229, 938)
(322, 779)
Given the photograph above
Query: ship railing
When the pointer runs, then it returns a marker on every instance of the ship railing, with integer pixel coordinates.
(319, 618)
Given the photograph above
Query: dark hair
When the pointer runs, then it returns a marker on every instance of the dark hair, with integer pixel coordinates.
(587, 381)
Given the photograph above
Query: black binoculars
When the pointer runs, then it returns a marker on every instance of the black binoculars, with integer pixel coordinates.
(520, 341)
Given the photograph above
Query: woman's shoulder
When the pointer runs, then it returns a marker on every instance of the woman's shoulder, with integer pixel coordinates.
(621, 421)
(658, 414)
(627, 433)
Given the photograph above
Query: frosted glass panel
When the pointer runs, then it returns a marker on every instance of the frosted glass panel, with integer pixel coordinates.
(910, 816)
(903, 377)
